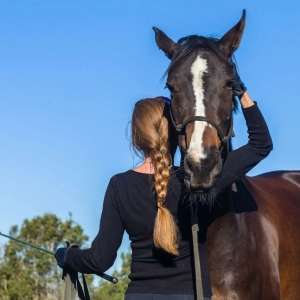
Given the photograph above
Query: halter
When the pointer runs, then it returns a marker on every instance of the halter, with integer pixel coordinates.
(180, 128)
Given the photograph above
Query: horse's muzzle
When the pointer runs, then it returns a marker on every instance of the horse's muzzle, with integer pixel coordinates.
(203, 173)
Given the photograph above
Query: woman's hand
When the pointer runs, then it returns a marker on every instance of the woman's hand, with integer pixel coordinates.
(239, 89)
(61, 256)
(237, 85)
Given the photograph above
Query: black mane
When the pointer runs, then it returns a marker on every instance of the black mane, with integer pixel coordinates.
(194, 43)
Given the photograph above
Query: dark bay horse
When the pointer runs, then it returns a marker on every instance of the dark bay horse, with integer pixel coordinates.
(253, 240)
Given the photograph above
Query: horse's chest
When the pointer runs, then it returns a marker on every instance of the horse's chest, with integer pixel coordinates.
(240, 267)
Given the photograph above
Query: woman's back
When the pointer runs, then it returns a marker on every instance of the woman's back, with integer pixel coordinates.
(152, 268)
(130, 205)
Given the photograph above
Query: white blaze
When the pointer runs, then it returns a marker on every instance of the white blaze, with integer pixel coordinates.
(199, 67)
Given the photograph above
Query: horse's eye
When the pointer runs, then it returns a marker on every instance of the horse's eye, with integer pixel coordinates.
(228, 84)
(171, 89)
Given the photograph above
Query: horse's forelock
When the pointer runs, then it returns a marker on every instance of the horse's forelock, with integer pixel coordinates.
(194, 43)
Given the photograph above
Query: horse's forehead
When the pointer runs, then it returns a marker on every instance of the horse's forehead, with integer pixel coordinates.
(199, 66)
(212, 61)
(198, 70)
(200, 61)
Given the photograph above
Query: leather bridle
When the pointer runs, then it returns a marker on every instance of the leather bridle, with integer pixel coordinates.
(181, 128)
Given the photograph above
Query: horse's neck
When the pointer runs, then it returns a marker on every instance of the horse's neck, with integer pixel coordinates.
(222, 205)
(236, 199)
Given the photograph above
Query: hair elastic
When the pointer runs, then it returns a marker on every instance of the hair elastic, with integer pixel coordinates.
(167, 100)
(161, 202)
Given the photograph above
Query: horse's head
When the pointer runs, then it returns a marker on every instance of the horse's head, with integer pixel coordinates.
(199, 78)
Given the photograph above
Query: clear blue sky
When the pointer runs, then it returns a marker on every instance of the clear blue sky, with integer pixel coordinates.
(71, 71)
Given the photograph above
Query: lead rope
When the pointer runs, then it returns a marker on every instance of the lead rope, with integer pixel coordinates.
(68, 288)
(71, 288)
(195, 229)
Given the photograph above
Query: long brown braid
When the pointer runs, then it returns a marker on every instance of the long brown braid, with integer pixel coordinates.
(150, 135)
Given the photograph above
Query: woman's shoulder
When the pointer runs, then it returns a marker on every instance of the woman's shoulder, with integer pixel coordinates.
(134, 177)
(130, 175)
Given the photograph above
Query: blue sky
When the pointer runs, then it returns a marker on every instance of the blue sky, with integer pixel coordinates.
(71, 71)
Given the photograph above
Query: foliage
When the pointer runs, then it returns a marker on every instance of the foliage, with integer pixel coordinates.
(28, 273)
(109, 291)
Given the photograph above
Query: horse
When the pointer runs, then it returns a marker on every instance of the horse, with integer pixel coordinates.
(253, 239)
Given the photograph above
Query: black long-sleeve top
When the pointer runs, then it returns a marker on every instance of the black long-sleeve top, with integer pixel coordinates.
(130, 205)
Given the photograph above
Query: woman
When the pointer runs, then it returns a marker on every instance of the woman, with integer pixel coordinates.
(146, 203)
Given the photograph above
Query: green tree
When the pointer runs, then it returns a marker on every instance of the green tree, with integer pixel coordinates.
(27, 273)
(109, 291)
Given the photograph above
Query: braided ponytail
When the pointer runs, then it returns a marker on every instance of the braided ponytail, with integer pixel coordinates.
(166, 234)
(150, 136)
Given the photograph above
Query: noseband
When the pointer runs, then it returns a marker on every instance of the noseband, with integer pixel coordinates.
(181, 128)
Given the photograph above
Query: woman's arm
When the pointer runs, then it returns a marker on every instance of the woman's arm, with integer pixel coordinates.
(103, 252)
(245, 100)
(240, 161)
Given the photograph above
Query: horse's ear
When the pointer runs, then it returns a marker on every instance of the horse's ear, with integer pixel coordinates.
(165, 43)
(232, 38)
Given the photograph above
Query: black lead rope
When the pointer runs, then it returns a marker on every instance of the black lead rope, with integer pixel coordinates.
(195, 230)
(72, 287)
(72, 283)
